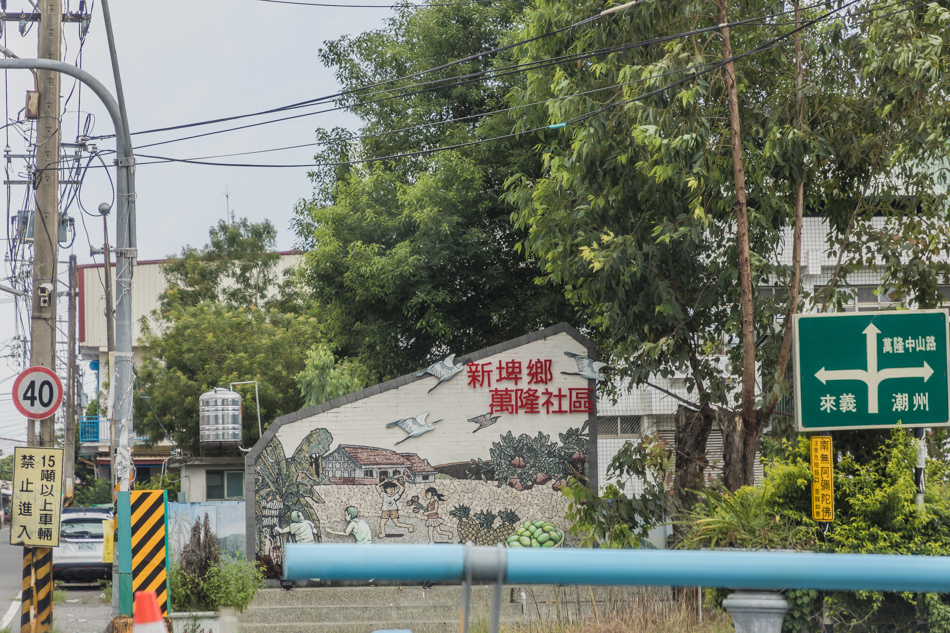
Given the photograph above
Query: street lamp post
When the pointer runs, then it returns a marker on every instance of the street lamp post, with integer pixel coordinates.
(125, 256)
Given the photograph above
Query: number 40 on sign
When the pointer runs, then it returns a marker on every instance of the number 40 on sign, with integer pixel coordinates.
(37, 393)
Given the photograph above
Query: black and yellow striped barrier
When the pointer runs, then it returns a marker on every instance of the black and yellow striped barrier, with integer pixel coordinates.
(143, 555)
(26, 604)
(43, 571)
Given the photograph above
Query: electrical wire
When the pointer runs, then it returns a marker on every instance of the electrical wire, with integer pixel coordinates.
(380, 6)
(711, 67)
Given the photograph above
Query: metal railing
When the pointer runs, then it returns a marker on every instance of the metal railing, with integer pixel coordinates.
(96, 430)
(774, 571)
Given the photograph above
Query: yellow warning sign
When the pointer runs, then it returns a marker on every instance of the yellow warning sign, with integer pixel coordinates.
(37, 496)
(822, 486)
(107, 549)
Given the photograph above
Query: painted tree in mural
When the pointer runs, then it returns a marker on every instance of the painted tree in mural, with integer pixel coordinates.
(663, 200)
(285, 485)
(523, 462)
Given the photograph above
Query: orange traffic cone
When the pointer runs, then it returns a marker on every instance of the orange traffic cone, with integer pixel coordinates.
(147, 616)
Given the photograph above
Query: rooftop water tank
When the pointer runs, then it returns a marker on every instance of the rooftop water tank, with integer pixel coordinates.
(219, 419)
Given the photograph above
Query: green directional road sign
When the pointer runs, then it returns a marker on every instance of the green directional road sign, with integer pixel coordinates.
(871, 370)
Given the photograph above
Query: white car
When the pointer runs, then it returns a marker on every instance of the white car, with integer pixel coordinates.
(79, 555)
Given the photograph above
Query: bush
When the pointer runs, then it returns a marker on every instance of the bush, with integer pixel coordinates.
(204, 581)
(99, 491)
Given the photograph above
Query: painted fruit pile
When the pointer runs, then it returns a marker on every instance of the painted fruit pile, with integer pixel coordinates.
(479, 528)
(536, 534)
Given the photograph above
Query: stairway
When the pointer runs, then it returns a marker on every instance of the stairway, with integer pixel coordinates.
(433, 610)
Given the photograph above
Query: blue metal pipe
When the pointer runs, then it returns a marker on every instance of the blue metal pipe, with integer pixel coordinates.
(736, 570)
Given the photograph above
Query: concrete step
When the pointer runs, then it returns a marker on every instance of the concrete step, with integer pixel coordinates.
(357, 613)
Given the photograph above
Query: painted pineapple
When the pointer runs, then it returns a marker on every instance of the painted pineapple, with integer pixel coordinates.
(467, 527)
(509, 522)
(485, 532)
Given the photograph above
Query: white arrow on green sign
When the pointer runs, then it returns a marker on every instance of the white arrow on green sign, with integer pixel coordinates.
(872, 370)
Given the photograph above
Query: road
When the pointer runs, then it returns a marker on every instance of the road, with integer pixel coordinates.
(82, 611)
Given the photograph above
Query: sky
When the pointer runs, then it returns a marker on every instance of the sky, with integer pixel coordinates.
(185, 61)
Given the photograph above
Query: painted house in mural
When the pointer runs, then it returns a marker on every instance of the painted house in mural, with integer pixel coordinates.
(465, 449)
(350, 464)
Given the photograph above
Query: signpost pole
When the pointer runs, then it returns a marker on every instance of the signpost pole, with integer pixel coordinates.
(921, 464)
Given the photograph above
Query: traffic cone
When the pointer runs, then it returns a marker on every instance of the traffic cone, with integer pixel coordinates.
(147, 616)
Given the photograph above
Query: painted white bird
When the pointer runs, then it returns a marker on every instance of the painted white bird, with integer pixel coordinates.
(443, 370)
(413, 426)
(484, 420)
(586, 367)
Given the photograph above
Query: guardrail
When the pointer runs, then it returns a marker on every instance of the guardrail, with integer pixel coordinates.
(95, 430)
(774, 571)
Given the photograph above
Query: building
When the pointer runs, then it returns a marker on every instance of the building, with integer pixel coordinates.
(148, 286)
(350, 464)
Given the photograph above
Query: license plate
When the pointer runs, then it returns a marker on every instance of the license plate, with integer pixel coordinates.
(86, 546)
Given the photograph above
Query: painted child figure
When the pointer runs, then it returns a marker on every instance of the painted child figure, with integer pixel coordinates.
(433, 521)
(390, 492)
(357, 527)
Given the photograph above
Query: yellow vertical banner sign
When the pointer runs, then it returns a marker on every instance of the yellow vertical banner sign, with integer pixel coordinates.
(108, 528)
(822, 485)
(149, 545)
(35, 515)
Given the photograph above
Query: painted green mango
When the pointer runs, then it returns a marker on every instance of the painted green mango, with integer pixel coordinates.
(549, 544)
(525, 541)
(544, 538)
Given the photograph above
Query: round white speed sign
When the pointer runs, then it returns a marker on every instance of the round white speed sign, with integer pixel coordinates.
(37, 393)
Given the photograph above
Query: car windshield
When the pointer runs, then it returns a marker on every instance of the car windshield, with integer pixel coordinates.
(82, 528)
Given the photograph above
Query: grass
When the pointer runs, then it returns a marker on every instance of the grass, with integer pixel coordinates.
(645, 611)
(59, 596)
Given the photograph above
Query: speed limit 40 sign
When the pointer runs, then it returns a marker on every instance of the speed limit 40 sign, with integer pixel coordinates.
(37, 393)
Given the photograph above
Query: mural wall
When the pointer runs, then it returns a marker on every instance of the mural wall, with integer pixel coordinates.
(474, 448)
(226, 519)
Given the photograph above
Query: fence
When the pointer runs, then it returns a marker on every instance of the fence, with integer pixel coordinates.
(774, 571)
(96, 430)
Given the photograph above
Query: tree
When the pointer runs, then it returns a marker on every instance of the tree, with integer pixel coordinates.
(211, 345)
(410, 260)
(236, 267)
(6, 468)
(639, 215)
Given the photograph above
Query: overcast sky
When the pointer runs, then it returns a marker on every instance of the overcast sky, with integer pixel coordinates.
(185, 61)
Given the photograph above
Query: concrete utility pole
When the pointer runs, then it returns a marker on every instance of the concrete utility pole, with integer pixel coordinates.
(69, 467)
(39, 560)
(46, 221)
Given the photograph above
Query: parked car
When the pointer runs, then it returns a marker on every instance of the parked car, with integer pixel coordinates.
(79, 555)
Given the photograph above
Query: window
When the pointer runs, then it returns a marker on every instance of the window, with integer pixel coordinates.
(368, 474)
(224, 484)
(618, 426)
(862, 298)
(83, 528)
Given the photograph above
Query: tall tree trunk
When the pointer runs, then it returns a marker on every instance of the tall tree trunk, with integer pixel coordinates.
(736, 473)
(692, 433)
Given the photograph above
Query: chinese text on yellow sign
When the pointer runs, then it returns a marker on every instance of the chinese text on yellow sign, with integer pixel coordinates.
(822, 487)
(37, 496)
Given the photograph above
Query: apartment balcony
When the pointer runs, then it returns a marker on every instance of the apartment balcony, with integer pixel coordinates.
(95, 430)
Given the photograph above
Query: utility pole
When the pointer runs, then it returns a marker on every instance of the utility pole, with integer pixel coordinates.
(110, 334)
(69, 467)
(38, 562)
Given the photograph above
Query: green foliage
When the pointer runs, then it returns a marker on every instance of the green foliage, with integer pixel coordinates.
(95, 492)
(485, 519)
(203, 580)
(614, 519)
(411, 260)
(633, 215)
(211, 345)
(6, 468)
(324, 378)
(172, 485)
(189, 578)
(236, 267)
(875, 513)
(234, 582)
(742, 519)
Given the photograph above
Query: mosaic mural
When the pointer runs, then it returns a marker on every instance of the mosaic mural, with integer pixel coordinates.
(480, 453)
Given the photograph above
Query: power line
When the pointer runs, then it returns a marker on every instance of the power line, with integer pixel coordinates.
(711, 67)
(380, 6)
(432, 85)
